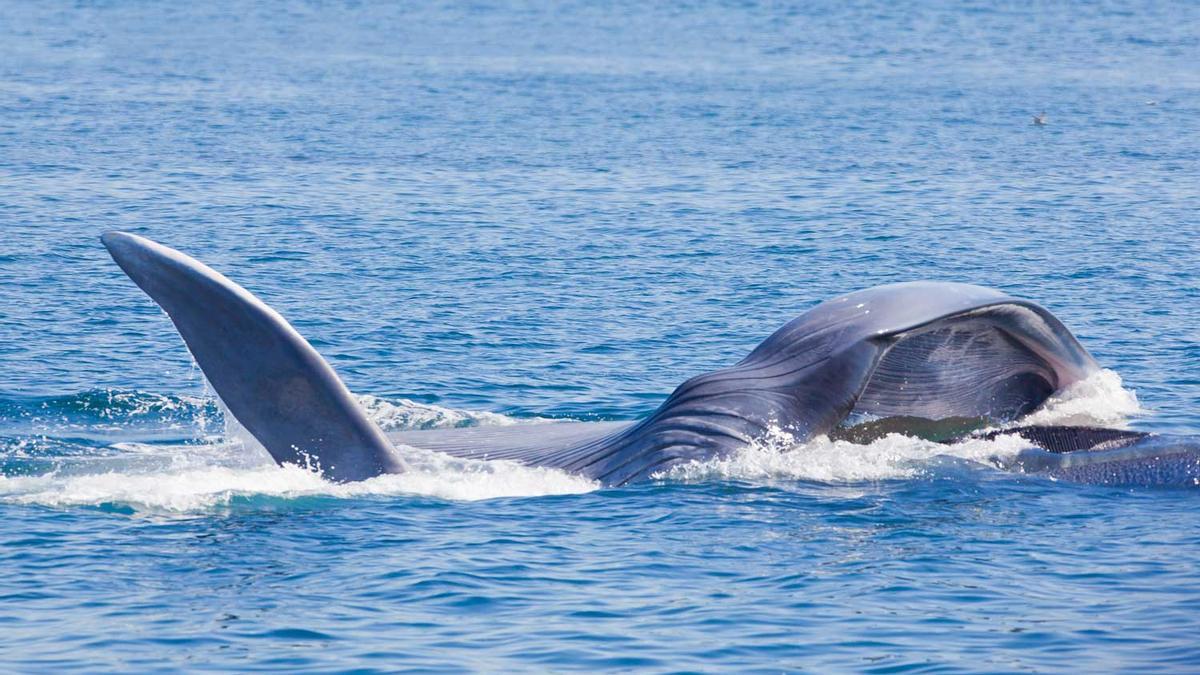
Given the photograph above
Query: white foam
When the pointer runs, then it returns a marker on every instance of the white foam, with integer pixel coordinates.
(1099, 400)
(200, 477)
(828, 461)
(197, 478)
(197, 481)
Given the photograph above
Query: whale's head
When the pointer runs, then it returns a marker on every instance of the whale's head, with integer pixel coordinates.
(926, 358)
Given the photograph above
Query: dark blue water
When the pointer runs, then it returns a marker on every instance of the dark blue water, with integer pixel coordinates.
(488, 214)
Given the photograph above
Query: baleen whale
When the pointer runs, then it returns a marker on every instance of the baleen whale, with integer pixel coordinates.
(942, 361)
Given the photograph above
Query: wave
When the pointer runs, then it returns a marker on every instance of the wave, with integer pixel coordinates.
(224, 469)
(100, 414)
(406, 415)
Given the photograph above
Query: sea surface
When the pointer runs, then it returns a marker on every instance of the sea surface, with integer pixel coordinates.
(484, 213)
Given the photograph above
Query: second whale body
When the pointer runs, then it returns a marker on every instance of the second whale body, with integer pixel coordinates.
(933, 359)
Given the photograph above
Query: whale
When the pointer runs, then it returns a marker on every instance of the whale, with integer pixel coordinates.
(937, 360)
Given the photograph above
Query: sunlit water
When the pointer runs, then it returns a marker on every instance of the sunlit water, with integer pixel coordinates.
(521, 215)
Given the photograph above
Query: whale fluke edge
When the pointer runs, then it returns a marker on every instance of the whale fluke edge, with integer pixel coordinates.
(916, 357)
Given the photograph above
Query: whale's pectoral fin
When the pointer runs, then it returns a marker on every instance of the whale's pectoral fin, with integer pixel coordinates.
(272, 381)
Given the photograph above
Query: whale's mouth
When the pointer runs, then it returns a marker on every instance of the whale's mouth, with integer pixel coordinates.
(864, 431)
(945, 382)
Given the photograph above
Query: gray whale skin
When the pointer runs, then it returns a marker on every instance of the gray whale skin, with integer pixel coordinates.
(940, 360)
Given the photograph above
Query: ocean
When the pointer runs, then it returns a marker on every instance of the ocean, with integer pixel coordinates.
(516, 214)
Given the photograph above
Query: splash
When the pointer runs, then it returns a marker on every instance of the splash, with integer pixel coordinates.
(823, 460)
(1100, 400)
(180, 478)
(232, 466)
(205, 487)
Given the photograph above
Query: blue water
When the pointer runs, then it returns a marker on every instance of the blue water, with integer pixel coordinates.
(490, 214)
